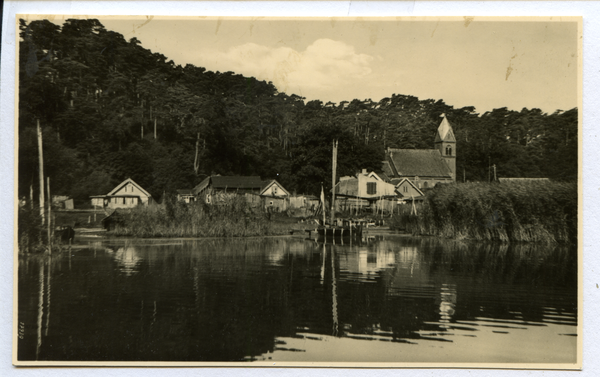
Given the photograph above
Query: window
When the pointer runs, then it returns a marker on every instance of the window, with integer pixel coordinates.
(448, 150)
(425, 184)
(405, 188)
(274, 189)
(371, 188)
(124, 200)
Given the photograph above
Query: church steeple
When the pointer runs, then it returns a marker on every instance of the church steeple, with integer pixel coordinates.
(445, 143)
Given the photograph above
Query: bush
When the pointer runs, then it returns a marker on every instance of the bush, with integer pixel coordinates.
(230, 218)
(534, 211)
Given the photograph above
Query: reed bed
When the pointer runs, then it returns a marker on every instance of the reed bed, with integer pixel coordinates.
(230, 218)
(31, 235)
(534, 211)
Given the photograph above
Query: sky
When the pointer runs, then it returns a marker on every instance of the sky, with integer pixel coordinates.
(464, 61)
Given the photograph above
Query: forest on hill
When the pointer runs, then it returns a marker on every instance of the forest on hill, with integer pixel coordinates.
(111, 109)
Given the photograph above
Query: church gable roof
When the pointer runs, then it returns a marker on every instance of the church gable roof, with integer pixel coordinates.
(387, 169)
(444, 132)
(417, 162)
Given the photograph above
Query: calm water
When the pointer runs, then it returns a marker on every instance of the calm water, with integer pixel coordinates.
(394, 299)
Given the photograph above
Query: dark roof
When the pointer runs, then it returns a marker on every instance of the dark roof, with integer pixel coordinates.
(237, 182)
(416, 162)
(387, 169)
(384, 176)
(347, 187)
(221, 182)
(184, 192)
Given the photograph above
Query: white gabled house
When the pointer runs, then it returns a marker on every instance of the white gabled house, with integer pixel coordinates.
(275, 196)
(127, 194)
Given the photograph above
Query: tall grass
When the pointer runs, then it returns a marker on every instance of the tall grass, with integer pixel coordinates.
(230, 218)
(32, 235)
(508, 211)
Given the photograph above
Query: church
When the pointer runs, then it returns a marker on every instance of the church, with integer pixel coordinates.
(411, 170)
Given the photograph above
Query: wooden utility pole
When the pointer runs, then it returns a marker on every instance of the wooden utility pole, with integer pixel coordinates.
(333, 170)
(323, 205)
(196, 161)
(494, 172)
(41, 162)
(154, 128)
(49, 217)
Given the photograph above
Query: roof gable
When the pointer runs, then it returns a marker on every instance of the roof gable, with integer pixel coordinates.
(418, 162)
(271, 184)
(126, 182)
(408, 181)
(375, 175)
(201, 186)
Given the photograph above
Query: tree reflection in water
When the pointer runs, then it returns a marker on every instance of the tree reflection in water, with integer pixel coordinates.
(246, 299)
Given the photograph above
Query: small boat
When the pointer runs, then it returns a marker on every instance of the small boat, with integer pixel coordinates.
(66, 233)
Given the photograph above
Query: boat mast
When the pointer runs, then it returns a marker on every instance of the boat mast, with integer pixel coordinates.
(334, 167)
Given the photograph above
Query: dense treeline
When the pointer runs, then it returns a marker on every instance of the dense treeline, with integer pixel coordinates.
(111, 109)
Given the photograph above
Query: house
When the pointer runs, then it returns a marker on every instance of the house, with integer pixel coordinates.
(185, 196)
(62, 202)
(275, 196)
(407, 190)
(365, 189)
(217, 186)
(127, 194)
(424, 167)
(368, 186)
(304, 205)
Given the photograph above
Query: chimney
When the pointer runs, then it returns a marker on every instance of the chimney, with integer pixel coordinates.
(364, 171)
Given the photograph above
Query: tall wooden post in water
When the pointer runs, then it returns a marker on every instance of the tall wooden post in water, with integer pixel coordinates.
(333, 169)
(49, 218)
(41, 160)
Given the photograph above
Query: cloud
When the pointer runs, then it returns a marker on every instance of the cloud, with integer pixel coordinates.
(324, 65)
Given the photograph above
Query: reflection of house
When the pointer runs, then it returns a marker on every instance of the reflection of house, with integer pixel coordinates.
(367, 261)
(128, 260)
(425, 167)
(275, 196)
(185, 196)
(127, 194)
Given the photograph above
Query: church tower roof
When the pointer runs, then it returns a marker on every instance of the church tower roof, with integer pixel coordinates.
(445, 132)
